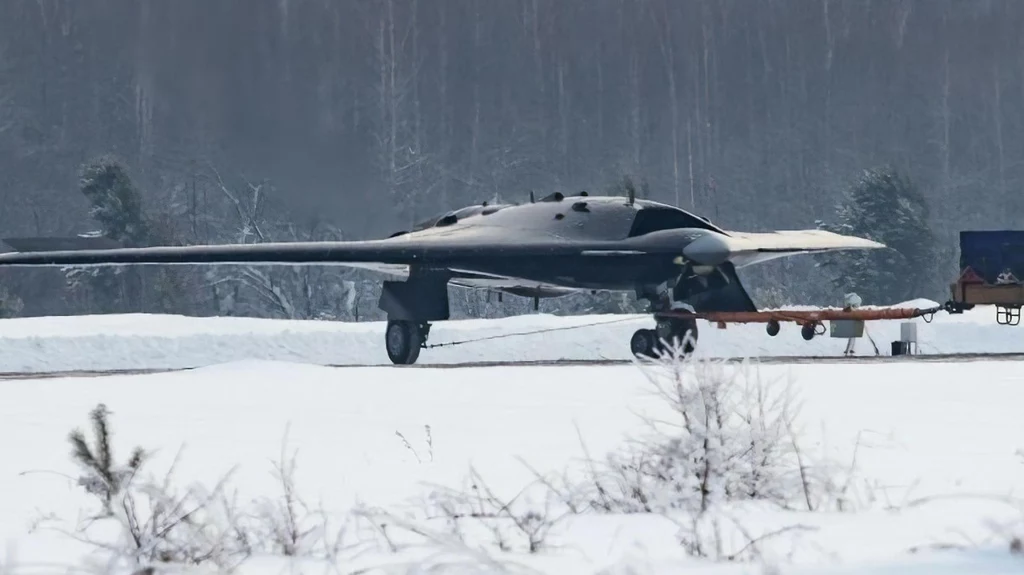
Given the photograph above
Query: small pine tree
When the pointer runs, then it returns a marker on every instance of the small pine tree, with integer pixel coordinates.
(116, 205)
(116, 201)
(885, 207)
(103, 478)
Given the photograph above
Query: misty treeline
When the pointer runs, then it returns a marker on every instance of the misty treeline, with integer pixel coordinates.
(260, 120)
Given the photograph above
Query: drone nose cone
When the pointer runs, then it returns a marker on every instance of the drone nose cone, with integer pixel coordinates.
(708, 250)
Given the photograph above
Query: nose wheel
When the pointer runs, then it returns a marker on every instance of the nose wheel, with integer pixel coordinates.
(668, 333)
(644, 343)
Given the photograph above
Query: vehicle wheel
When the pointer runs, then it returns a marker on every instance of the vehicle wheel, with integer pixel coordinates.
(773, 328)
(403, 340)
(807, 331)
(643, 343)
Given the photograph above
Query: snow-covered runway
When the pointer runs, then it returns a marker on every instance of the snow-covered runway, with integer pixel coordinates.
(767, 360)
(159, 342)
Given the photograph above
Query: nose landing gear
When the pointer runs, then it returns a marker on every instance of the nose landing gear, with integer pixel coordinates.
(668, 333)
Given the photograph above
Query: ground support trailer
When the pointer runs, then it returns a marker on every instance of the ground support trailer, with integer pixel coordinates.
(991, 273)
(811, 321)
(845, 323)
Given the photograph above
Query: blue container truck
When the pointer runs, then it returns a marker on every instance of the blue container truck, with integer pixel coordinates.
(991, 273)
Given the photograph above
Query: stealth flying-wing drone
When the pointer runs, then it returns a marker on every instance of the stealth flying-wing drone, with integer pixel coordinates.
(546, 248)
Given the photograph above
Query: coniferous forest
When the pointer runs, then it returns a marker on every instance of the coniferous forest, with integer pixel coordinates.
(274, 120)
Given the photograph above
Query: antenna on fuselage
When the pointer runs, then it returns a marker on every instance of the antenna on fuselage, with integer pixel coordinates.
(532, 199)
(631, 191)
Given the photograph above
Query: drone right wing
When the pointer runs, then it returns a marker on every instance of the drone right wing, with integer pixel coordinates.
(401, 250)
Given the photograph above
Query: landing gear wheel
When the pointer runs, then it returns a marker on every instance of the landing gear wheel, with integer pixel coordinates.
(676, 331)
(773, 328)
(808, 331)
(644, 343)
(403, 341)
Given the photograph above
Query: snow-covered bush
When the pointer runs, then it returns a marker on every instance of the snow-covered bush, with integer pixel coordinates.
(730, 440)
(731, 436)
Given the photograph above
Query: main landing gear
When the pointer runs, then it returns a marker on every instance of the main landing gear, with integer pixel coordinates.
(404, 339)
(668, 333)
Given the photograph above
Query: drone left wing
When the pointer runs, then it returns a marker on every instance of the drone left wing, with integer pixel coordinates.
(749, 248)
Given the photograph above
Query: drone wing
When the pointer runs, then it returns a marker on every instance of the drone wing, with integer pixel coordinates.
(471, 258)
(754, 248)
(401, 250)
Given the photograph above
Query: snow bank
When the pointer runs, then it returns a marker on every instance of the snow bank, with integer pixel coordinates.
(167, 342)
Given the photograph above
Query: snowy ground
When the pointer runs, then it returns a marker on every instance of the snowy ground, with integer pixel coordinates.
(154, 342)
(926, 429)
(918, 430)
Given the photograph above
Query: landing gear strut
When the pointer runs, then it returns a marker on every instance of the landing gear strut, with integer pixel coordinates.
(404, 339)
(669, 332)
(411, 305)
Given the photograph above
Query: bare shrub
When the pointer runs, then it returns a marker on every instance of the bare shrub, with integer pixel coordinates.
(731, 438)
(191, 526)
(286, 525)
(720, 537)
(426, 547)
(279, 517)
(520, 523)
(429, 440)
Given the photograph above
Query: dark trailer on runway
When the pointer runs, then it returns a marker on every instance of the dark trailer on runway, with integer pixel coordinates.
(991, 273)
